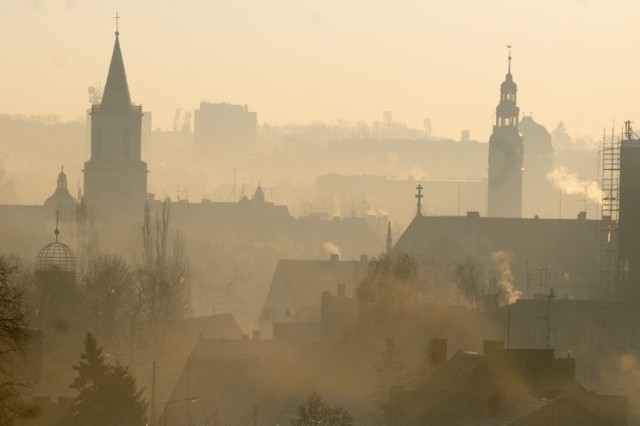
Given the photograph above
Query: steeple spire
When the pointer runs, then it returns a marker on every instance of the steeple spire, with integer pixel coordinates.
(116, 95)
(509, 47)
(389, 239)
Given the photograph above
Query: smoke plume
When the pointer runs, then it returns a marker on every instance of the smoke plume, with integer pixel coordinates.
(502, 264)
(331, 248)
(570, 184)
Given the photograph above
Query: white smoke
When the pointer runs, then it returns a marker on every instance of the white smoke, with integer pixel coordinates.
(418, 174)
(502, 264)
(369, 207)
(331, 248)
(570, 184)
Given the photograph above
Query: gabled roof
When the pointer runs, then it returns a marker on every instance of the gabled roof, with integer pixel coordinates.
(297, 286)
(569, 246)
(512, 412)
(116, 95)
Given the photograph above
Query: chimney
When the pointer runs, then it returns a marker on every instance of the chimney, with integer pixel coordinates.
(493, 345)
(438, 351)
(582, 216)
(334, 257)
(256, 334)
(342, 290)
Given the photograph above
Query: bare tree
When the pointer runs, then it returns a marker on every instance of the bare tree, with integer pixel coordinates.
(390, 283)
(314, 411)
(14, 336)
(391, 371)
(480, 284)
(163, 274)
(109, 286)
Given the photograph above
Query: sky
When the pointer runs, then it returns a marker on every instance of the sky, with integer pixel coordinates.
(575, 61)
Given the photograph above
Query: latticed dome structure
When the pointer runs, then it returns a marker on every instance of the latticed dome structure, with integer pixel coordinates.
(56, 257)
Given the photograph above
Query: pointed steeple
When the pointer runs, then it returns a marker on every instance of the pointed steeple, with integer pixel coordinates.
(389, 239)
(507, 111)
(116, 95)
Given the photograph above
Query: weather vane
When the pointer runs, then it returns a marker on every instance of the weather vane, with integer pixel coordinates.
(117, 17)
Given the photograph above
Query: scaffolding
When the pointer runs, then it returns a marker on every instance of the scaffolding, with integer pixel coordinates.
(609, 260)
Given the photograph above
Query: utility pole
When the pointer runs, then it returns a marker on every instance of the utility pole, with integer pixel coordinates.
(254, 415)
(188, 391)
(548, 316)
(508, 325)
(152, 415)
(526, 266)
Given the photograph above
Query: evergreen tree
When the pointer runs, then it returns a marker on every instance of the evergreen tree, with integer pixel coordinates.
(107, 395)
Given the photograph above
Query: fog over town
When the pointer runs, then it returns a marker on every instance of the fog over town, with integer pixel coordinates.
(319, 212)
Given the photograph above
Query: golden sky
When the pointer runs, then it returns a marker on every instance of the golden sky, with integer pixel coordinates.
(300, 60)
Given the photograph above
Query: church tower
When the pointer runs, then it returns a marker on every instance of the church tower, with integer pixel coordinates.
(115, 177)
(506, 154)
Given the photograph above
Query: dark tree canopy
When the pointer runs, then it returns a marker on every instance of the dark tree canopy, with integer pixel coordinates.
(107, 395)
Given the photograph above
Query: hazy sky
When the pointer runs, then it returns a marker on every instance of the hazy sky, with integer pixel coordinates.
(300, 60)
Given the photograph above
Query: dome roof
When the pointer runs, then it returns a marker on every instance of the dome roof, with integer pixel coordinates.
(56, 257)
(258, 196)
(508, 85)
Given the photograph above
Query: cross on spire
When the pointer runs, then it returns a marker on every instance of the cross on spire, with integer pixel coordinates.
(509, 47)
(57, 231)
(419, 196)
(117, 17)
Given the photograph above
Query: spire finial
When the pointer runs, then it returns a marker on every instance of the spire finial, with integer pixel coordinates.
(117, 17)
(61, 169)
(57, 231)
(509, 47)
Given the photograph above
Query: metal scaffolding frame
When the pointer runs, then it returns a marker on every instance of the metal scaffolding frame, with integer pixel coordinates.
(609, 260)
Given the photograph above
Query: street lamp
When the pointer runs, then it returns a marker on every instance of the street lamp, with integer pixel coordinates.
(164, 412)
